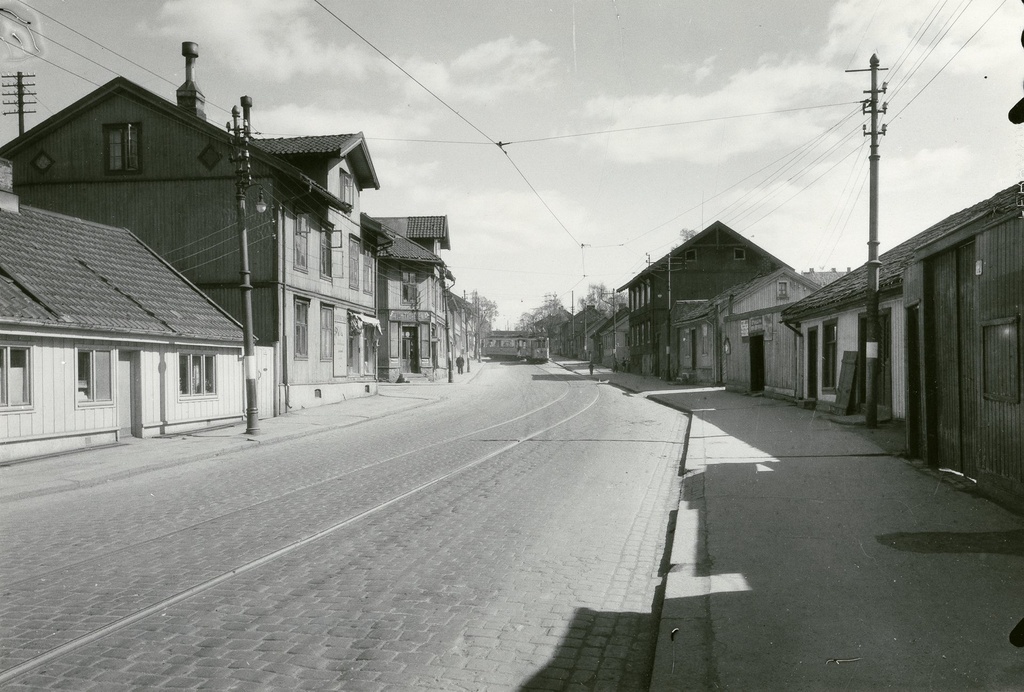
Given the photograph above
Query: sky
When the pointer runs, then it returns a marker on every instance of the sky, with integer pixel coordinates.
(569, 142)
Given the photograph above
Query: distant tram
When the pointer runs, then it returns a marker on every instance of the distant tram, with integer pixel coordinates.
(516, 346)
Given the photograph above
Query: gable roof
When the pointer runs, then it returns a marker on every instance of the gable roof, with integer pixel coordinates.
(420, 227)
(403, 249)
(852, 287)
(715, 227)
(351, 147)
(125, 88)
(60, 271)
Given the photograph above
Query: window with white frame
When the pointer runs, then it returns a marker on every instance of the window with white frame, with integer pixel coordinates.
(367, 270)
(347, 193)
(353, 264)
(122, 147)
(15, 376)
(94, 375)
(326, 332)
(326, 259)
(301, 246)
(409, 288)
(197, 374)
(783, 289)
(301, 328)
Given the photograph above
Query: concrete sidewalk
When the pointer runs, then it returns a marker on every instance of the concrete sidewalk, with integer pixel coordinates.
(89, 467)
(807, 556)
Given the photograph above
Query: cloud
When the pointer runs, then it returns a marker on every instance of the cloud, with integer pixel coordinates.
(723, 135)
(275, 39)
(487, 72)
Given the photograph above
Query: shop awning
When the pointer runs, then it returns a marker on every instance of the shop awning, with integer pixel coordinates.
(360, 320)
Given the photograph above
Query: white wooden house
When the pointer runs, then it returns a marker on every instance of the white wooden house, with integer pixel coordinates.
(100, 338)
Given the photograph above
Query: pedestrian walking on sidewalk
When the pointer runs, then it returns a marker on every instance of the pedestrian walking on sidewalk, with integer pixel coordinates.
(591, 366)
(459, 362)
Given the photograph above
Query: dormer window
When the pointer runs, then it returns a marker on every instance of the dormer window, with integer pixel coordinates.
(121, 145)
(347, 192)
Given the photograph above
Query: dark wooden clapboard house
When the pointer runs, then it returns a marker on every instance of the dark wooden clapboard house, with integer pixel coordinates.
(964, 293)
(705, 265)
(125, 156)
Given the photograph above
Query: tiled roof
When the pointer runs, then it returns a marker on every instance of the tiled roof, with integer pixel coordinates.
(404, 249)
(418, 226)
(852, 286)
(824, 278)
(316, 144)
(60, 271)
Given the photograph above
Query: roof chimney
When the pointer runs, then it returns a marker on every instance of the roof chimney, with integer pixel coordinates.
(8, 200)
(189, 96)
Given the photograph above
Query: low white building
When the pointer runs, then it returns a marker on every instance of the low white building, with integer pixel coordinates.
(101, 339)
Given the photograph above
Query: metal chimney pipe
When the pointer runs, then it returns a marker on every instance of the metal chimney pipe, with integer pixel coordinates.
(190, 50)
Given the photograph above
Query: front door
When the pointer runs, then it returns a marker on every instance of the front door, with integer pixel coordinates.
(410, 358)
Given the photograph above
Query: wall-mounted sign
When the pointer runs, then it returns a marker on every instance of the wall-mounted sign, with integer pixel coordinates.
(744, 328)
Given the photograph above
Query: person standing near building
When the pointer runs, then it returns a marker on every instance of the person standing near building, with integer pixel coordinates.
(459, 362)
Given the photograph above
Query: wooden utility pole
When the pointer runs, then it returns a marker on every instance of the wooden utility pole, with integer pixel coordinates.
(870, 106)
(21, 96)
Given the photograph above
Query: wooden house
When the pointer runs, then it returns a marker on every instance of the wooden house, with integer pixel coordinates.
(963, 296)
(102, 339)
(737, 338)
(125, 156)
(412, 307)
(708, 263)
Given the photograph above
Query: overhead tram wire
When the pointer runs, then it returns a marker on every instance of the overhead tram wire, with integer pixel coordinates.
(952, 57)
(676, 124)
(450, 108)
(785, 156)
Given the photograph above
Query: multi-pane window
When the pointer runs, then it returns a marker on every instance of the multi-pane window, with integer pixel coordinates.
(121, 143)
(367, 270)
(94, 375)
(353, 264)
(326, 332)
(301, 328)
(301, 248)
(783, 289)
(326, 261)
(197, 374)
(408, 288)
(15, 380)
(829, 352)
(348, 191)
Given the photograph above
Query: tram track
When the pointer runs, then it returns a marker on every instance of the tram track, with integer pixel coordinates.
(141, 613)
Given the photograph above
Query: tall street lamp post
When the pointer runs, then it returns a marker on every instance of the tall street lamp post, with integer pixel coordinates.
(240, 135)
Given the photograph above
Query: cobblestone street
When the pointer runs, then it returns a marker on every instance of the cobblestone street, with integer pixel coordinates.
(511, 536)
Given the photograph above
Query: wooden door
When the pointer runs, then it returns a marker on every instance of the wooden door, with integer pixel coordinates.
(812, 363)
(757, 363)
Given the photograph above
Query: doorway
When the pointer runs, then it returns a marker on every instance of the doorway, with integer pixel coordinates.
(410, 357)
(129, 417)
(812, 363)
(757, 363)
